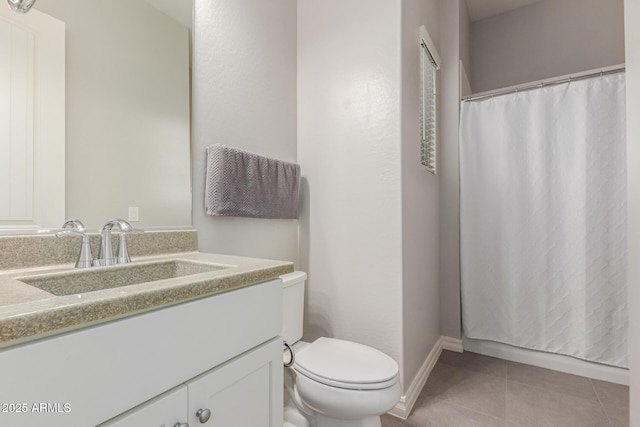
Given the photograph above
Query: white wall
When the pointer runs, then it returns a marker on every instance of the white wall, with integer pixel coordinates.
(632, 40)
(244, 95)
(546, 39)
(420, 207)
(127, 115)
(465, 36)
(449, 172)
(349, 132)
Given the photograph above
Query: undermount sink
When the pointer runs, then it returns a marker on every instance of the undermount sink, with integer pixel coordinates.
(89, 280)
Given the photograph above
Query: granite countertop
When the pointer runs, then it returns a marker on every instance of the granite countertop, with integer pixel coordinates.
(28, 313)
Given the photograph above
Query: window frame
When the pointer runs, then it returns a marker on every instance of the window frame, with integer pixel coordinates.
(429, 56)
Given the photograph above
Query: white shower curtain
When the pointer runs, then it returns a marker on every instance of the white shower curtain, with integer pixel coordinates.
(543, 218)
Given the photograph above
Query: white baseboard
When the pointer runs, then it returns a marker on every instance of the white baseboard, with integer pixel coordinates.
(452, 344)
(405, 405)
(556, 362)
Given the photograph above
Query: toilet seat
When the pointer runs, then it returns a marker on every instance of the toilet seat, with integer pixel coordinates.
(346, 365)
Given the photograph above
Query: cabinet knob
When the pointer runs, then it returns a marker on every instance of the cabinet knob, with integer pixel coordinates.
(181, 425)
(203, 415)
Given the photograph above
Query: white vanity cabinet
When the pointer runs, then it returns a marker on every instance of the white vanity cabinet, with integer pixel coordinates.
(239, 393)
(222, 353)
(167, 410)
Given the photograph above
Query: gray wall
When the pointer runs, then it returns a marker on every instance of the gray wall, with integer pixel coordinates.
(369, 232)
(465, 37)
(632, 32)
(449, 182)
(420, 207)
(349, 152)
(546, 39)
(244, 95)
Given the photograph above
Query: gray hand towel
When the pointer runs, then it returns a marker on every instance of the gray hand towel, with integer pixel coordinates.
(240, 183)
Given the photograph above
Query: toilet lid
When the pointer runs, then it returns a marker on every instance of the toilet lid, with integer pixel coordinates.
(346, 364)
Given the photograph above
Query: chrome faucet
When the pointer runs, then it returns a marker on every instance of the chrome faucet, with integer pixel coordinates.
(74, 224)
(105, 253)
(76, 227)
(20, 6)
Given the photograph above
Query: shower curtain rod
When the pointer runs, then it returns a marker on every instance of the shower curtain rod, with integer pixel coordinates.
(546, 82)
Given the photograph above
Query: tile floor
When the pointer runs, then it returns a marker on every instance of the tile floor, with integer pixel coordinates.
(471, 390)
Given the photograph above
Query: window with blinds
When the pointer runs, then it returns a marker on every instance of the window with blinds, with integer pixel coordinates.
(429, 64)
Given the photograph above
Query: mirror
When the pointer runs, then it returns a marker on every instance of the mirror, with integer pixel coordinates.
(127, 122)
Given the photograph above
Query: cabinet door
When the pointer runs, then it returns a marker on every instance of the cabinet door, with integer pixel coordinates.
(167, 410)
(244, 392)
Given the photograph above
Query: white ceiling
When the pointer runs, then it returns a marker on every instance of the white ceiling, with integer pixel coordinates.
(481, 9)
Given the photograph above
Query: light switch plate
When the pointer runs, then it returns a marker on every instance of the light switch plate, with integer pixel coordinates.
(133, 214)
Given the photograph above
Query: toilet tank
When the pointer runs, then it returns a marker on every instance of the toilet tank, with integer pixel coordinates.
(293, 305)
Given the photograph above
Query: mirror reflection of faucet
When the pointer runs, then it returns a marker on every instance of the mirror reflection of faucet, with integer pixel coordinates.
(20, 6)
(105, 253)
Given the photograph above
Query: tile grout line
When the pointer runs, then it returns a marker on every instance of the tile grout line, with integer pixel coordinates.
(504, 417)
(470, 370)
(506, 390)
(466, 407)
(606, 413)
(448, 402)
(542, 387)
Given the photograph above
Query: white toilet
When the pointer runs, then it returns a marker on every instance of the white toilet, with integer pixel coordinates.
(332, 383)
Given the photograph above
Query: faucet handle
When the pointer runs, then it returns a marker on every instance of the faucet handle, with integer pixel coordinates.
(70, 232)
(122, 254)
(85, 259)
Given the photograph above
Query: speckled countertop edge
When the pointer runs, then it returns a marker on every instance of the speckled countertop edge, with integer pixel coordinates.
(28, 313)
